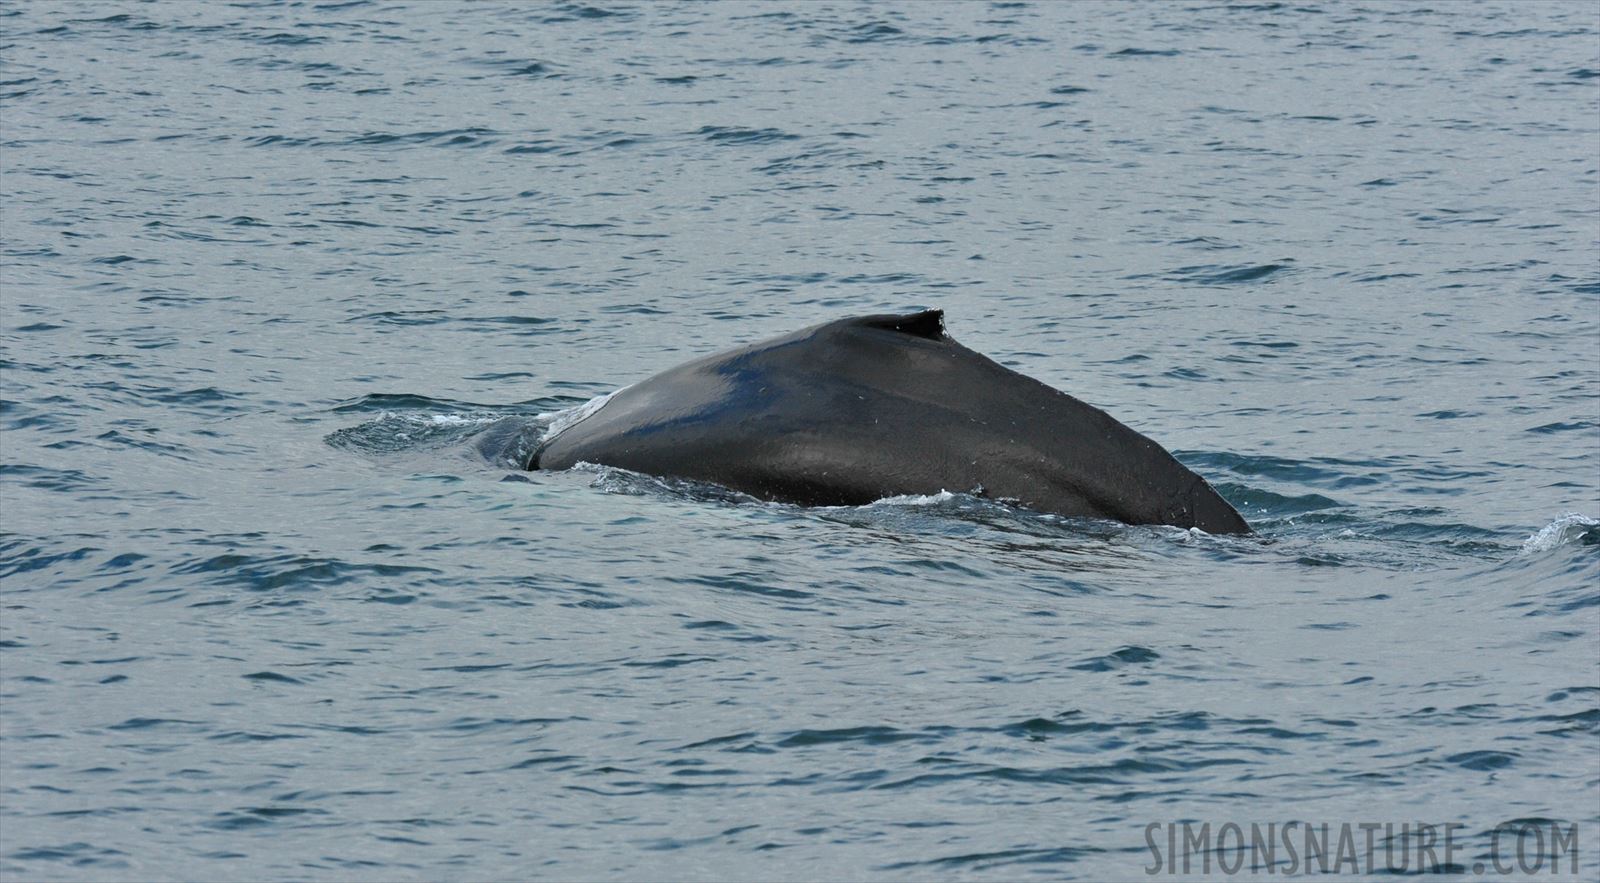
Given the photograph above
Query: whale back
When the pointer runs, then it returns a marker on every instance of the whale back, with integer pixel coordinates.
(859, 409)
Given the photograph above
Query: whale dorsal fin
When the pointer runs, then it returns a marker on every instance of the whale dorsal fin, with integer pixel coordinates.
(928, 324)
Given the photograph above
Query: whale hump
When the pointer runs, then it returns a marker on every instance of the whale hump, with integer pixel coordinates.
(856, 410)
(928, 324)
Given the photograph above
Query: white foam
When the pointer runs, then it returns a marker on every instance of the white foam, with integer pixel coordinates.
(561, 421)
(1563, 530)
(441, 419)
(916, 499)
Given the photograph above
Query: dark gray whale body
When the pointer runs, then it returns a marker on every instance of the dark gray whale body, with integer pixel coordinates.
(856, 410)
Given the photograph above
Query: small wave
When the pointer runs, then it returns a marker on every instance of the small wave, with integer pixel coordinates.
(871, 735)
(739, 135)
(77, 853)
(571, 11)
(399, 317)
(872, 32)
(46, 478)
(470, 137)
(384, 403)
(1548, 428)
(394, 433)
(1569, 528)
(522, 67)
(294, 572)
(475, 136)
(17, 559)
(988, 861)
(1259, 502)
(1228, 275)
(1116, 659)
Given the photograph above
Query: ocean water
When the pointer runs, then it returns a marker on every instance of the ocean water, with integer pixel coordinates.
(268, 269)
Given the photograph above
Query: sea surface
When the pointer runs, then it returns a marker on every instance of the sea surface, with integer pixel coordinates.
(268, 270)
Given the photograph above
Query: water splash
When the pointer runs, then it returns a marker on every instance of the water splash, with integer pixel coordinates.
(561, 421)
(1569, 528)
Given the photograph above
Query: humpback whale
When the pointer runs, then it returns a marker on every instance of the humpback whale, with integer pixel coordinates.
(856, 410)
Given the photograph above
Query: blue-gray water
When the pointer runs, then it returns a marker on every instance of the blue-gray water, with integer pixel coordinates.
(268, 267)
